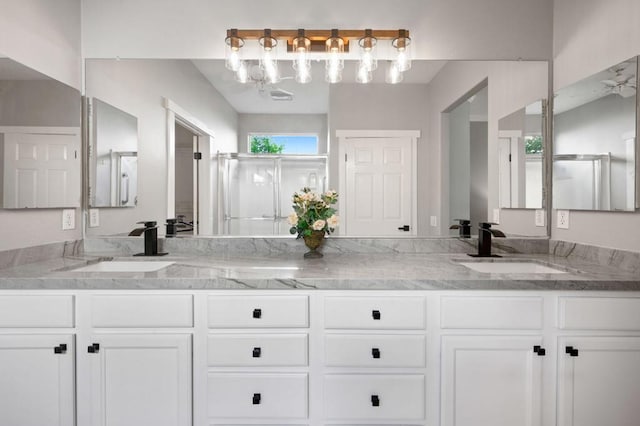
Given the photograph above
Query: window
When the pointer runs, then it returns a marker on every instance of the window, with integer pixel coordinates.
(283, 144)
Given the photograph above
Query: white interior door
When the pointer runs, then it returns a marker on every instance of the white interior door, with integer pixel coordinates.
(379, 195)
(41, 168)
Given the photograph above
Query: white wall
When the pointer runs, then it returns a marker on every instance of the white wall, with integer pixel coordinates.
(138, 87)
(39, 103)
(589, 36)
(282, 123)
(43, 35)
(459, 163)
(511, 86)
(441, 29)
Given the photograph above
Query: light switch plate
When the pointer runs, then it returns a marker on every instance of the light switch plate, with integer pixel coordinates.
(540, 214)
(496, 216)
(94, 218)
(563, 219)
(434, 221)
(68, 219)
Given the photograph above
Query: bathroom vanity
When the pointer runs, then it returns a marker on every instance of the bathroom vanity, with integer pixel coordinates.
(377, 338)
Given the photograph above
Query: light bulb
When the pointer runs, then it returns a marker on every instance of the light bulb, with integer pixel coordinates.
(242, 73)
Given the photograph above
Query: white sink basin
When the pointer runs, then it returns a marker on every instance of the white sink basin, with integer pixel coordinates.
(511, 268)
(133, 266)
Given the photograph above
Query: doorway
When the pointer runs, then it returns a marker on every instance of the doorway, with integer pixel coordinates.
(468, 158)
(378, 183)
(186, 188)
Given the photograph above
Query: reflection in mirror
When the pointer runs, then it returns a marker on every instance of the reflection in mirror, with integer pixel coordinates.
(595, 141)
(113, 156)
(40, 161)
(520, 151)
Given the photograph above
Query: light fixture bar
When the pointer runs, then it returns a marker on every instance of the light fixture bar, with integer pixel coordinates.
(315, 35)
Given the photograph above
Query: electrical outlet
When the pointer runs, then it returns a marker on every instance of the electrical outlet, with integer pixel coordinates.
(563, 219)
(540, 217)
(496, 216)
(434, 221)
(68, 219)
(94, 218)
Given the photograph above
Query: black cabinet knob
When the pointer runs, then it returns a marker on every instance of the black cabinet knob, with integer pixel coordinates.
(256, 398)
(256, 352)
(375, 401)
(257, 313)
(60, 349)
(375, 314)
(375, 352)
(94, 348)
(571, 351)
(539, 350)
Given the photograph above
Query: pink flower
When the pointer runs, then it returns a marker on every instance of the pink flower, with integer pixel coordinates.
(318, 225)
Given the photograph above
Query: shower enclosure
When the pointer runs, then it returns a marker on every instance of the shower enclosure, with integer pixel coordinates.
(255, 190)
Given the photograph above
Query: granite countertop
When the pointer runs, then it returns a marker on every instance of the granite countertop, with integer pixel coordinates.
(335, 271)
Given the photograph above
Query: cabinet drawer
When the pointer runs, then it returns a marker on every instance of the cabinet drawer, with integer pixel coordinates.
(399, 397)
(506, 313)
(258, 311)
(228, 350)
(37, 311)
(375, 312)
(267, 396)
(142, 311)
(374, 350)
(599, 313)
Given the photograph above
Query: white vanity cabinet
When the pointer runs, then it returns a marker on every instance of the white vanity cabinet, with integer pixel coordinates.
(37, 380)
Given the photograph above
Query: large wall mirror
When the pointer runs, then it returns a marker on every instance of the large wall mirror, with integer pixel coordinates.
(594, 158)
(113, 156)
(192, 115)
(521, 157)
(40, 140)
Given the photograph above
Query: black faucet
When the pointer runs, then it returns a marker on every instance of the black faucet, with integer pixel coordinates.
(484, 239)
(176, 225)
(150, 231)
(464, 226)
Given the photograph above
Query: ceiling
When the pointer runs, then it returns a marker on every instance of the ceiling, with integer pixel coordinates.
(12, 70)
(311, 98)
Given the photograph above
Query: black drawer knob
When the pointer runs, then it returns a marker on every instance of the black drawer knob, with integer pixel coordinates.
(256, 352)
(375, 401)
(256, 398)
(539, 350)
(60, 349)
(375, 314)
(94, 348)
(375, 352)
(257, 313)
(571, 351)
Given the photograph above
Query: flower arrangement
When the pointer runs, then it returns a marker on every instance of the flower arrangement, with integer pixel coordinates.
(313, 212)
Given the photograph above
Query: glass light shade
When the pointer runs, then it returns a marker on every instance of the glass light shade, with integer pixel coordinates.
(232, 56)
(393, 75)
(368, 51)
(333, 74)
(303, 71)
(302, 63)
(242, 73)
(363, 75)
(268, 61)
(402, 45)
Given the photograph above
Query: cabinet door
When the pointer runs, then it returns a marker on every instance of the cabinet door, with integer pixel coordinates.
(599, 381)
(491, 381)
(140, 380)
(36, 380)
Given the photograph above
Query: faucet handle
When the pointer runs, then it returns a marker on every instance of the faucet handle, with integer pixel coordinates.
(149, 223)
(487, 225)
(463, 221)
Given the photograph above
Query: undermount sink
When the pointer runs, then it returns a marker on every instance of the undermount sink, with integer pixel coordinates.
(133, 266)
(511, 268)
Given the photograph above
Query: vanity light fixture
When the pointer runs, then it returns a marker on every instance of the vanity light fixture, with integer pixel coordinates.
(330, 45)
(335, 62)
(394, 75)
(233, 44)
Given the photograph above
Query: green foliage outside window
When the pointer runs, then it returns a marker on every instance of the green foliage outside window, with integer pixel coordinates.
(533, 144)
(263, 145)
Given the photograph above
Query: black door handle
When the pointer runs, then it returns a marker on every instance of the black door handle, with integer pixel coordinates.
(256, 398)
(375, 352)
(375, 401)
(257, 313)
(405, 228)
(256, 352)
(94, 348)
(375, 314)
